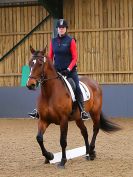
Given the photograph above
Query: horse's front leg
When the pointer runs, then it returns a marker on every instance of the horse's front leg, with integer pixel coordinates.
(63, 141)
(41, 129)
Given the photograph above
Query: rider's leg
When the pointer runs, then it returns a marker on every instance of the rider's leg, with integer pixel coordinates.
(79, 96)
(34, 114)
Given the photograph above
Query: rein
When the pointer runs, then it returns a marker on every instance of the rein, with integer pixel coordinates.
(41, 81)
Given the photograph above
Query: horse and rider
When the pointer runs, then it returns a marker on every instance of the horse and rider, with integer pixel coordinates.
(63, 53)
(55, 105)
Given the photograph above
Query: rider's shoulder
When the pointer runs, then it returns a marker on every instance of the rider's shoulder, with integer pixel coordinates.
(71, 38)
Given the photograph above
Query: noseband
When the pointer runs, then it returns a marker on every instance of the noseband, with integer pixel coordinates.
(43, 78)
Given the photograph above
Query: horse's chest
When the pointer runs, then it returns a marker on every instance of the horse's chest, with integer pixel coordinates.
(52, 117)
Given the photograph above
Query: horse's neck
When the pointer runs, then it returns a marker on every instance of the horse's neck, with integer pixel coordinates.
(50, 85)
(49, 70)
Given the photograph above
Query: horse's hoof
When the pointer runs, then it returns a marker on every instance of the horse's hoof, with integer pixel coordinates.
(92, 155)
(46, 161)
(59, 165)
(62, 163)
(87, 157)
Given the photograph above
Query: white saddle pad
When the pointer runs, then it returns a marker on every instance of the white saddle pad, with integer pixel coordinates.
(84, 89)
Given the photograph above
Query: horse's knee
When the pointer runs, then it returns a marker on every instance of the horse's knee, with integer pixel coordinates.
(39, 137)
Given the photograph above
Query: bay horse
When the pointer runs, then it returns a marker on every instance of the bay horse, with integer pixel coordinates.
(55, 106)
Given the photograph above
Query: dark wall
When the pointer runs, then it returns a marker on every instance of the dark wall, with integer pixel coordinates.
(118, 100)
(16, 102)
(16, 1)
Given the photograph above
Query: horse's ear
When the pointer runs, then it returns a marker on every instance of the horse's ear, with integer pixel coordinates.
(31, 49)
(44, 50)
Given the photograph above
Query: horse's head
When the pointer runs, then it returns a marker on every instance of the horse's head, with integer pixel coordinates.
(36, 65)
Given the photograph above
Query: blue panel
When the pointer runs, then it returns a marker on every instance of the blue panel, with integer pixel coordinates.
(117, 100)
(18, 101)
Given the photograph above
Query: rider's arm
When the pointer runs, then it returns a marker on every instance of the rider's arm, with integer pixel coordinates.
(51, 53)
(73, 50)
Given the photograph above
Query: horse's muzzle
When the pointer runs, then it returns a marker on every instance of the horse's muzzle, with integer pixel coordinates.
(32, 84)
(31, 87)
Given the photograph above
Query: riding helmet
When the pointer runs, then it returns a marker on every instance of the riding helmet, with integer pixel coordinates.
(61, 23)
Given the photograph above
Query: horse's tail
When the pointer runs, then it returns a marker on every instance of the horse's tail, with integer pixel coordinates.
(108, 126)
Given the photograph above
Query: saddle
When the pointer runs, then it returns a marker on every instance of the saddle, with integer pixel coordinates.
(71, 87)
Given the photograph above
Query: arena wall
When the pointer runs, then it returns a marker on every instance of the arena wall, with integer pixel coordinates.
(16, 102)
(103, 30)
(104, 34)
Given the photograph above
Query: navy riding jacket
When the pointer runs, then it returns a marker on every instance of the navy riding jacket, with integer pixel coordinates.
(63, 52)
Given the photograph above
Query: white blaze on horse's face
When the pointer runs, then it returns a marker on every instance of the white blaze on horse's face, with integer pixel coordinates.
(34, 61)
(44, 59)
(30, 73)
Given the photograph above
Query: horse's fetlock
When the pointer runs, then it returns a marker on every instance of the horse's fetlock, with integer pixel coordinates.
(49, 156)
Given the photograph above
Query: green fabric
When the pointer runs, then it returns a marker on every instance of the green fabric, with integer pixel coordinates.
(25, 75)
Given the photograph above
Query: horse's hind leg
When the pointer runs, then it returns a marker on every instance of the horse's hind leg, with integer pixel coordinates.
(96, 121)
(84, 133)
(41, 129)
(63, 141)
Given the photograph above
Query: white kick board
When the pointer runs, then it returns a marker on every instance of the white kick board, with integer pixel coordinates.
(70, 154)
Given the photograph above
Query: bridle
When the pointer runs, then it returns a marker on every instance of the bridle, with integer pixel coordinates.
(43, 78)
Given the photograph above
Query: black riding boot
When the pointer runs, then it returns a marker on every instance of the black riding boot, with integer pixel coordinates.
(79, 98)
(34, 114)
(84, 114)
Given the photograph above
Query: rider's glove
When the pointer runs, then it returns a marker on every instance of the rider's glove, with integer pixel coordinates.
(65, 72)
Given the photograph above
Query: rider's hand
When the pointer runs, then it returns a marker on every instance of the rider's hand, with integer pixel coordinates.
(65, 72)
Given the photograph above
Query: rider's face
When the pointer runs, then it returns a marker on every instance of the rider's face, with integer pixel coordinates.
(61, 31)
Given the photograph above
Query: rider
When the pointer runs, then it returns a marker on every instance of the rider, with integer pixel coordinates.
(64, 54)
